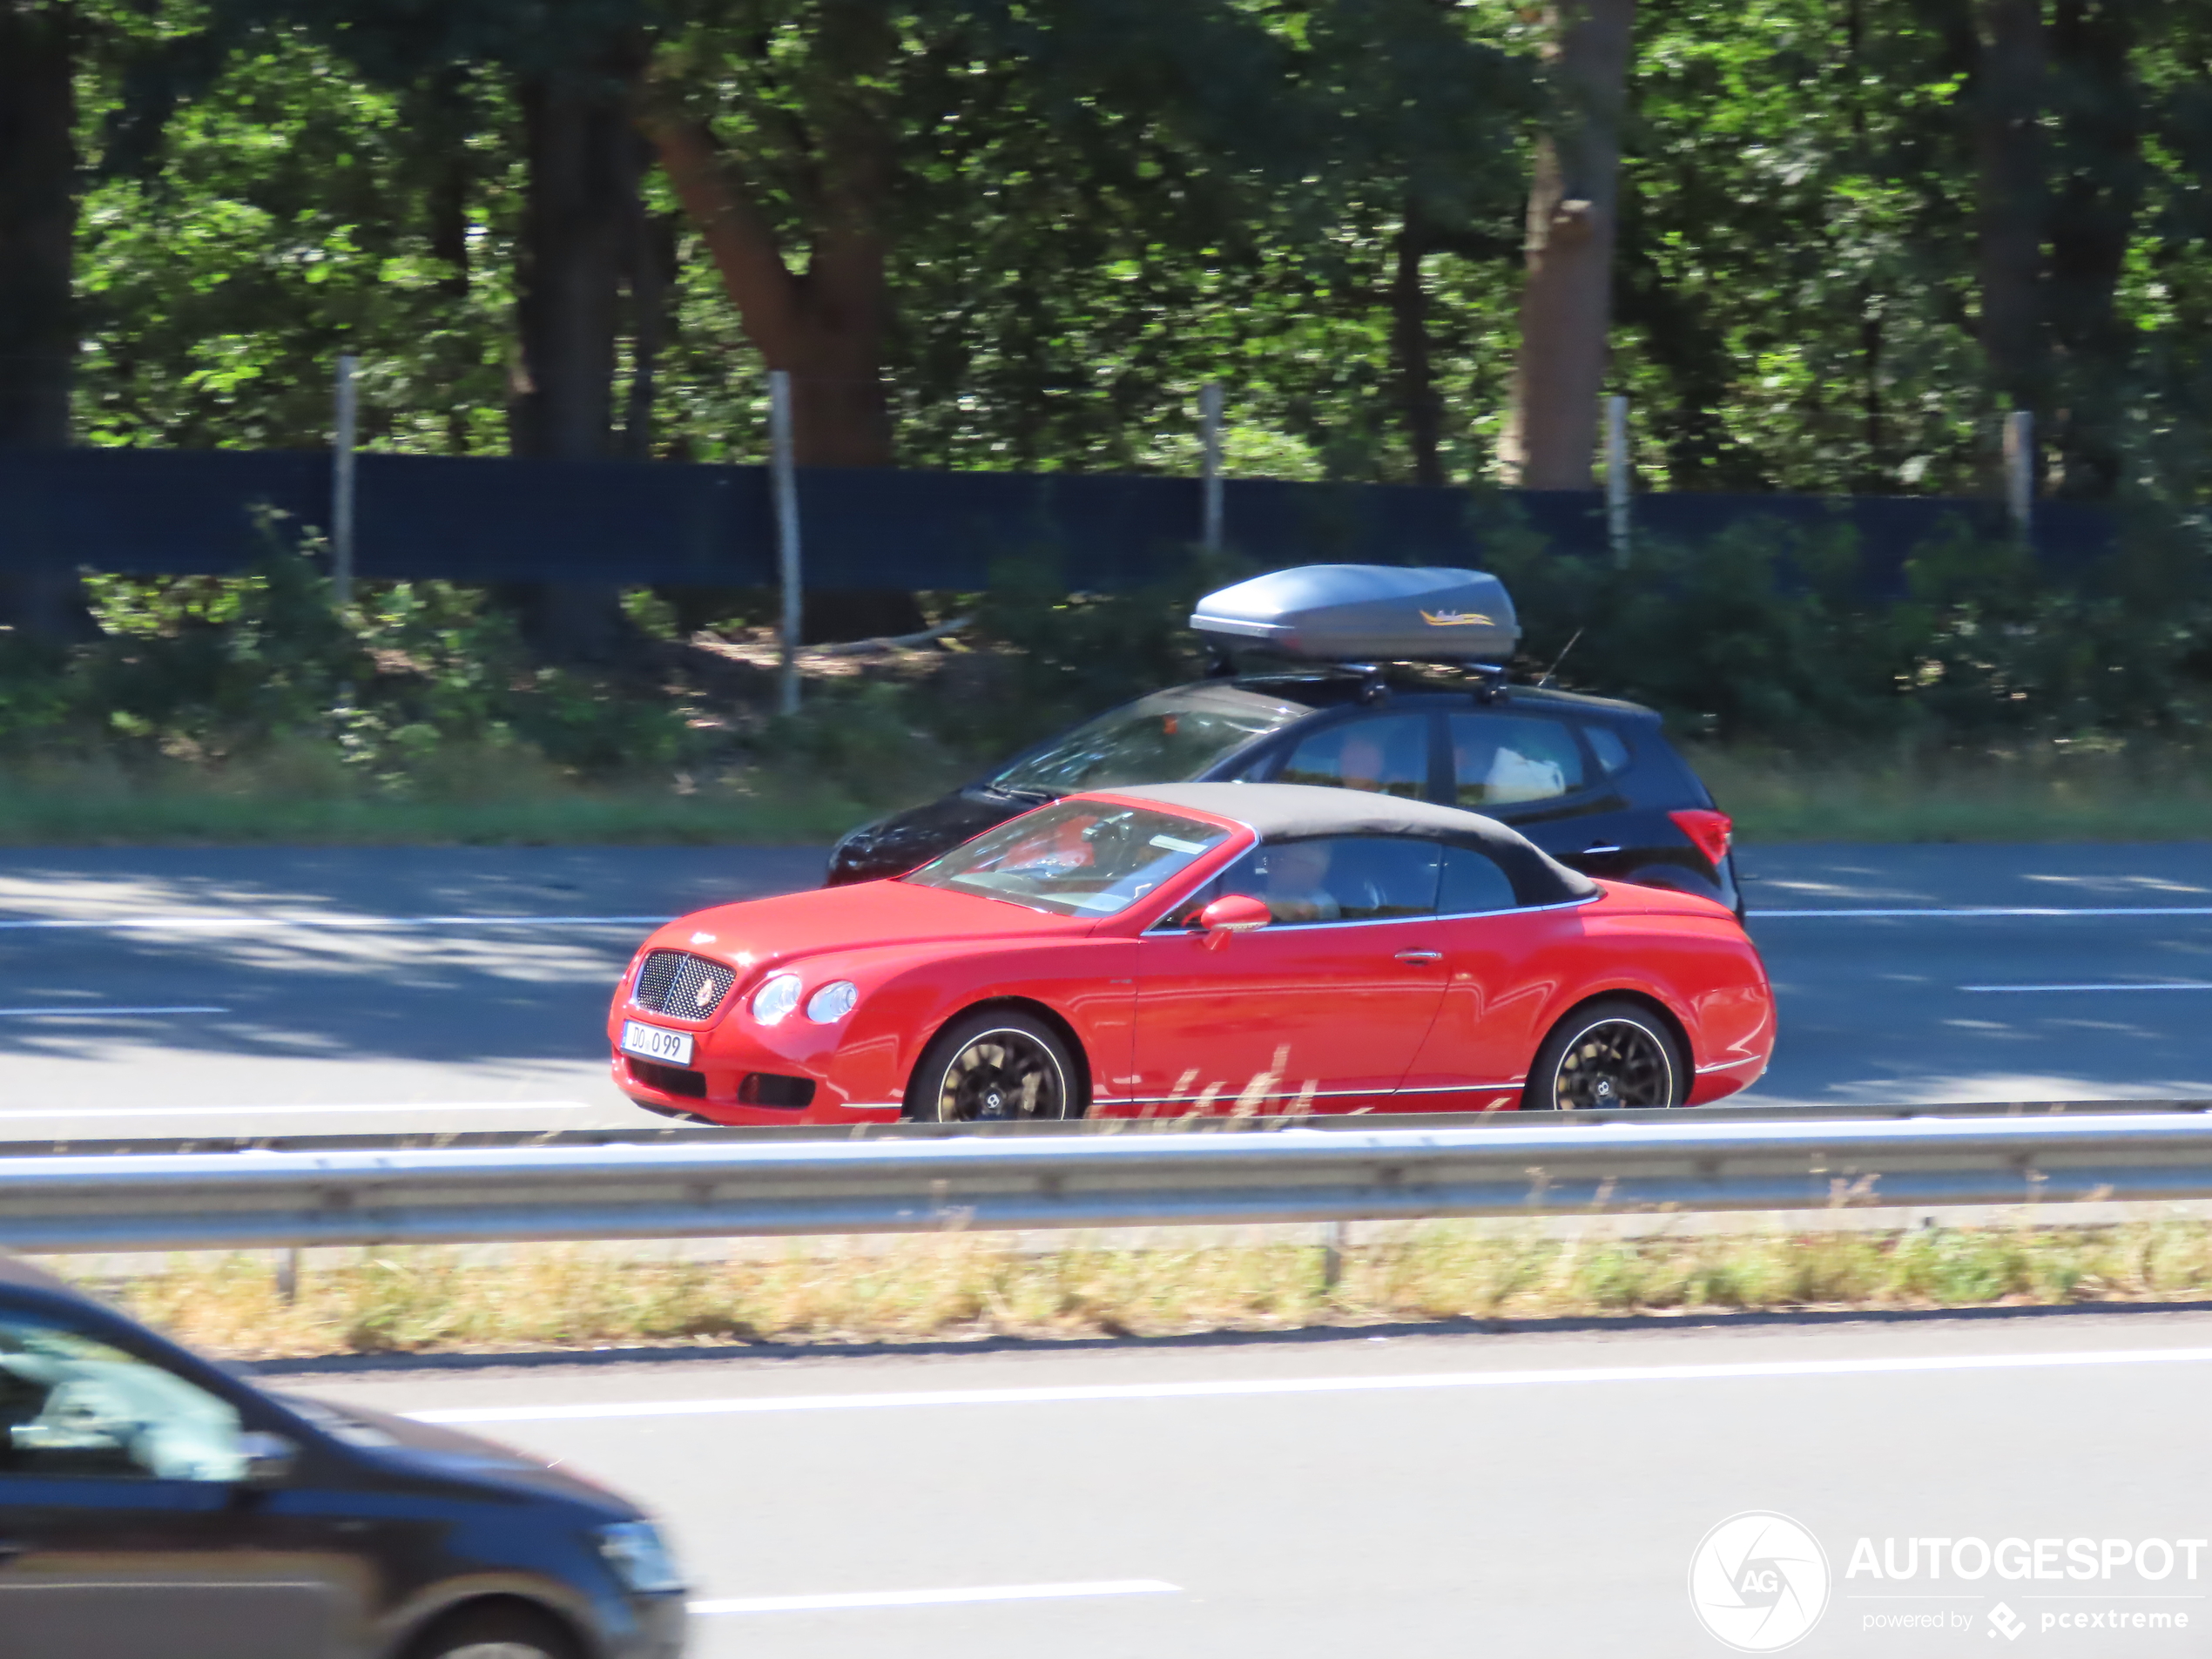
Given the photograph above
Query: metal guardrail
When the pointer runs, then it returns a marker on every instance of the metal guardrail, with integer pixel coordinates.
(676, 1189)
(702, 1134)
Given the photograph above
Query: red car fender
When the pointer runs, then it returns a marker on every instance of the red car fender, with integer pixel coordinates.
(1086, 985)
(1702, 970)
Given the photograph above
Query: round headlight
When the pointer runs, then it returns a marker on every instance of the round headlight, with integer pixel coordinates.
(832, 1003)
(776, 999)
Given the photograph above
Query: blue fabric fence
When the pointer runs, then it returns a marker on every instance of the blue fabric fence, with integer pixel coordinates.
(169, 512)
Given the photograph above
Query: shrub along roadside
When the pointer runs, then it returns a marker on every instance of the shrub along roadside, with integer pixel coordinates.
(953, 1286)
(1987, 703)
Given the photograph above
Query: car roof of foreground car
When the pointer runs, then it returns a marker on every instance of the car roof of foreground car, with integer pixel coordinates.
(1287, 812)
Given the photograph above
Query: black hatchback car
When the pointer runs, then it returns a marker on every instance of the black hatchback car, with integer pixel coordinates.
(154, 1507)
(1592, 781)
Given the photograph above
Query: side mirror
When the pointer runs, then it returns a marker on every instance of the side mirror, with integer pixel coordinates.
(265, 1460)
(1233, 913)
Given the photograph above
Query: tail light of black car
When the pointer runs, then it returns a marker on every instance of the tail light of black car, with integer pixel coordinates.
(1710, 832)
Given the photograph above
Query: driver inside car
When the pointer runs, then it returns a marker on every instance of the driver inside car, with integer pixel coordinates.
(1295, 889)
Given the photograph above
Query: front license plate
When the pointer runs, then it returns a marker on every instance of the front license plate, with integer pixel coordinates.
(650, 1042)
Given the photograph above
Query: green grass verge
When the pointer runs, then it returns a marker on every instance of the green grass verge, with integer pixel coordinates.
(500, 800)
(971, 1286)
(495, 798)
(2048, 794)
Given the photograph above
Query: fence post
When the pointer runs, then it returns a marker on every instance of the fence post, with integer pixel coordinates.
(1210, 438)
(2020, 472)
(787, 566)
(341, 486)
(1617, 478)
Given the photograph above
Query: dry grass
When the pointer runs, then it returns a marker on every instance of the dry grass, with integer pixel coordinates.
(965, 1286)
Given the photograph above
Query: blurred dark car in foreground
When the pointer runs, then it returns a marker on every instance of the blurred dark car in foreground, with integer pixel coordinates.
(154, 1507)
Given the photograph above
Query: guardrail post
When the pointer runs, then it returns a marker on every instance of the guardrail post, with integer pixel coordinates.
(1334, 1235)
(287, 1275)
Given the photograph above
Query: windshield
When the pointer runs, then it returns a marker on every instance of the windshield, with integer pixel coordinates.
(1077, 859)
(1157, 740)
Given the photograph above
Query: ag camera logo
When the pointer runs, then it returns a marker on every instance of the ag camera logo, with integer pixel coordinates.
(1758, 1582)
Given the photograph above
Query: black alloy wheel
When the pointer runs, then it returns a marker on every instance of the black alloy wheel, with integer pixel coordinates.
(1612, 1053)
(994, 1066)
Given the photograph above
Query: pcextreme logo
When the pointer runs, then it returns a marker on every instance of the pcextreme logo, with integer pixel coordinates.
(1758, 1582)
(1456, 620)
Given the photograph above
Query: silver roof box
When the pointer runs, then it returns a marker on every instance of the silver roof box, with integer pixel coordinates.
(1365, 613)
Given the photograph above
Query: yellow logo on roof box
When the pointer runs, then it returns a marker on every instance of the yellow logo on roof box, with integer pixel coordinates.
(1456, 620)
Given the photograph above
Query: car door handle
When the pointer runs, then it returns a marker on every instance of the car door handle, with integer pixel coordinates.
(1420, 956)
(1597, 852)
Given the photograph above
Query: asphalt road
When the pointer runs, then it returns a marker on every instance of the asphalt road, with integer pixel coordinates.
(243, 991)
(1308, 1498)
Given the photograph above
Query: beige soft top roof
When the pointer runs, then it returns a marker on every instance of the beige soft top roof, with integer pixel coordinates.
(1293, 811)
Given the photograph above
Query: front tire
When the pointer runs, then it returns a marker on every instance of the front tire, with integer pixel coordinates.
(996, 1065)
(506, 1632)
(1614, 1052)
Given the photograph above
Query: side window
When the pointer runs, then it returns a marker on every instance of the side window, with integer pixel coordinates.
(1500, 758)
(1332, 878)
(1386, 755)
(70, 1405)
(1472, 884)
(1609, 746)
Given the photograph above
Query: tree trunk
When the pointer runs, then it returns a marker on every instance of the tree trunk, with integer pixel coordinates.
(37, 310)
(2092, 220)
(653, 278)
(2009, 98)
(441, 115)
(579, 208)
(825, 325)
(1565, 305)
(1409, 337)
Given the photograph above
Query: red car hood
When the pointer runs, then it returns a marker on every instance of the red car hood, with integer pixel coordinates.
(867, 914)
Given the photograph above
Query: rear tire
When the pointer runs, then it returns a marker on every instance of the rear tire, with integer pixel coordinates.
(1614, 1052)
(995, 1065)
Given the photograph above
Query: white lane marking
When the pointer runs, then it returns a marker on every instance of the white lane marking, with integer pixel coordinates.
(1990, 910)
(1260, 1386)
(936, 1598)
(77, 1114)
(216, 924)
(94, 1011)
(2175, 985)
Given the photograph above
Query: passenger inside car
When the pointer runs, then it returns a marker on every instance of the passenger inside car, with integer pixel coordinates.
(1497, 759)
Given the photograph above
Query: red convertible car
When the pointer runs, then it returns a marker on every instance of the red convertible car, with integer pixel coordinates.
(1199, 947)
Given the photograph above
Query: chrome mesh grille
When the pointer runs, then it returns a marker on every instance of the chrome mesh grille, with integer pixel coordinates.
(677, 982)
